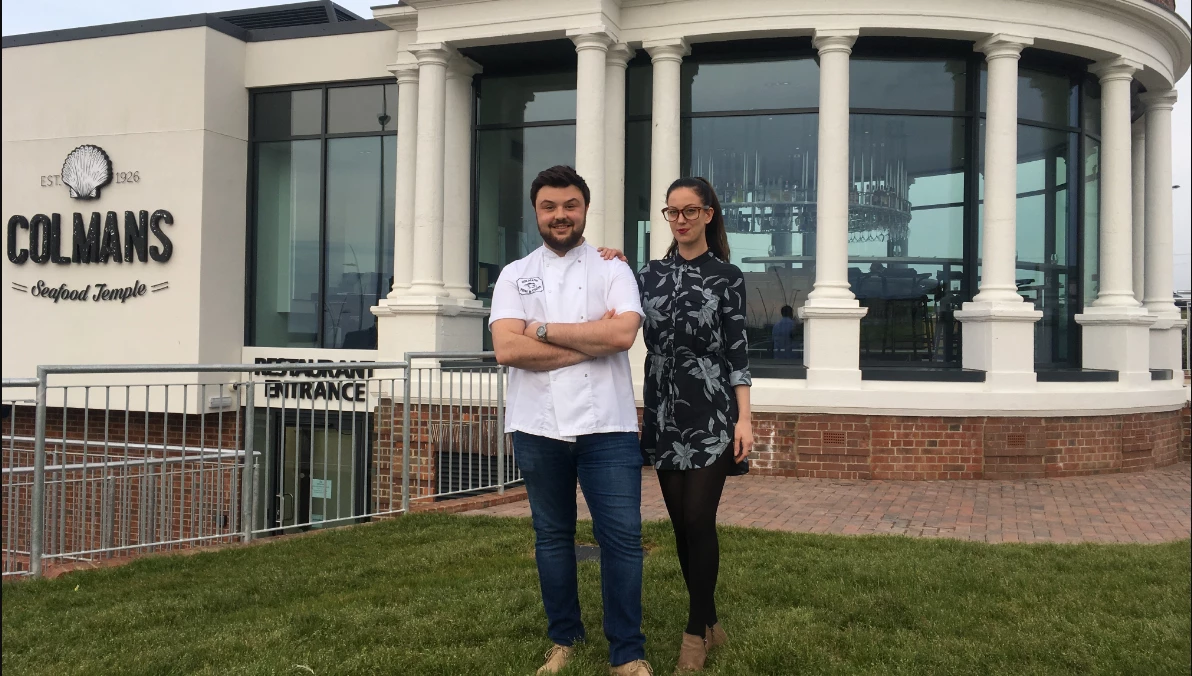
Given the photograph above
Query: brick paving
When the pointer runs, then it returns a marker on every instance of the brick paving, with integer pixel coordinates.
(1151, 506)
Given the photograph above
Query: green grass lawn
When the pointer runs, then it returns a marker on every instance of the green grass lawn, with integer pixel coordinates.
(429, 594)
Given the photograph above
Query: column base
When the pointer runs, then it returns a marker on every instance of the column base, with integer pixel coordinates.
(1166, 345)
(999, 339)
(832, 345)
(428, 324)
(1118, 339)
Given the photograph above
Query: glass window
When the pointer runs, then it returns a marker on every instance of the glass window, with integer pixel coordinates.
(638, 210)
(1092, 219)
(1045, 270)
(906, 235)
(1046, 97)
(278, 115)
(639, 80)
(360, 211)
(754, 85)
(907, 84)
(287, 297)
(1092, 107)
(763, 170)
(527, 98)
(323, 215)
(362, 109)
(509, 159)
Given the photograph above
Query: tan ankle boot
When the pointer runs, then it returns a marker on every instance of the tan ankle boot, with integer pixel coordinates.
(715, 636)
(634, 668)
(556, 658)
(692, 654)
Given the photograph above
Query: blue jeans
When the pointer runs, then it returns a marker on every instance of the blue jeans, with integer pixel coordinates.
(608, 467)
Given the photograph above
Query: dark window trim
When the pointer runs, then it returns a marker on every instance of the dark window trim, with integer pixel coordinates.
(250, 296)
(495, 126)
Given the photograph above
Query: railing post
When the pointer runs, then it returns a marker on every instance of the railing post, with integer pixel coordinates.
(405, 439)
(37, 529)
(248, 487)
(500, 430)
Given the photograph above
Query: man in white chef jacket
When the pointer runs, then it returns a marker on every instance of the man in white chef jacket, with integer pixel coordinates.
(562, 320)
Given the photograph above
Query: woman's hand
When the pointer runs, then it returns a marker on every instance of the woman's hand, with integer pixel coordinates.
(743, 439)
(609, 254)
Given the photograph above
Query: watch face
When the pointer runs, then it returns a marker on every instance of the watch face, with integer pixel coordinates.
(542, 332)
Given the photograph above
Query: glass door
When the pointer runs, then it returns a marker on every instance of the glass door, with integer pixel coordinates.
(321, 475)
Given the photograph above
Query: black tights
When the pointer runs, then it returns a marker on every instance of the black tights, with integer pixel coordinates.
(692, 497)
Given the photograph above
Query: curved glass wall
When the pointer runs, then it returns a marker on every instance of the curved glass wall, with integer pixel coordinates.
(916, 129)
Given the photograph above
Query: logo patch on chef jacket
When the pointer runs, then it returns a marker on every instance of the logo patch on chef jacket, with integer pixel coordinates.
(529, 285)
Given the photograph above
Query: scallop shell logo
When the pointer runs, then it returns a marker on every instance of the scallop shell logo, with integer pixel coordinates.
(86, 170)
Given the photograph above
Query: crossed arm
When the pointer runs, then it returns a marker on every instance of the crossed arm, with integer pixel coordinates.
(516, 345)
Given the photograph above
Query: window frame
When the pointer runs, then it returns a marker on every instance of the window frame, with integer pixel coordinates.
(323, 137)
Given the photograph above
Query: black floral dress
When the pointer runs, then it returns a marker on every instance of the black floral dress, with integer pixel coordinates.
(696, 353)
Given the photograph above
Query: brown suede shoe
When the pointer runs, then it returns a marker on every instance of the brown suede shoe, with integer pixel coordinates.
(634, 668)
(715, 636)
(556, 658)
(692, 654)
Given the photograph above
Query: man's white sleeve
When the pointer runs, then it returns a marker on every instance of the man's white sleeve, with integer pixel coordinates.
(506, 303)
(623, 295)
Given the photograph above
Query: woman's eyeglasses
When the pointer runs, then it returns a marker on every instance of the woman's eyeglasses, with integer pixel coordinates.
(690, 213)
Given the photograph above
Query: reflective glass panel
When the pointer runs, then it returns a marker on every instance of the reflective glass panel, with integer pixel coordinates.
(751, 85)
(1042, 97)
(639, 90)
(1045, 271)
(509, 159)
(763, 169)
(918, 84)
(1092, 219)
(286, 271)
(362, 109)
(638, 210)
(360, 184)
(1092, 106)
(906, 235)
(527, 98)
(279, 115)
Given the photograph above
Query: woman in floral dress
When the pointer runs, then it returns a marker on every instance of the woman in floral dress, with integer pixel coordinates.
(696, 429)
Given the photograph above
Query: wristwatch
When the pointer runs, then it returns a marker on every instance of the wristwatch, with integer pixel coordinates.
(541, 332)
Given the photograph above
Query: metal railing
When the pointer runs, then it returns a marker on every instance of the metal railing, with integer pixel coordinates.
(96, 469)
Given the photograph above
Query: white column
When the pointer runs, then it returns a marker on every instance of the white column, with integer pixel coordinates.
(428, 188)
(1165, 332)
(457, 179)
(667, 57)
(832, 315)
(1114, 330)
(998, 326)
(423, 317)
(403, 219)
(1138, 200)
(614, 146)
(591, 47)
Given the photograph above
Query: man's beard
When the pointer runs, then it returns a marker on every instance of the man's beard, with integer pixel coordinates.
(565, 243)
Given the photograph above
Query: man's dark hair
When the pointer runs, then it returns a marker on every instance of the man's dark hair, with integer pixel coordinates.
(788, 311)
(559, 176)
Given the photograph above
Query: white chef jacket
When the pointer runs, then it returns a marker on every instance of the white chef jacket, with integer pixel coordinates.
(589, 398)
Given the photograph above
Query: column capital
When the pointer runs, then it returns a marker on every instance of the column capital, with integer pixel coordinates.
(432, 53)
(460, 66)
(1002, 45)
(1163, 99)
(669, 49)
(406, 73)
(593, 37)
(1115, 69)
(835, 40)
(620, 55)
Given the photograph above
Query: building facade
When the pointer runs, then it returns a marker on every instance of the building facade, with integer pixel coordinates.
(954, 219)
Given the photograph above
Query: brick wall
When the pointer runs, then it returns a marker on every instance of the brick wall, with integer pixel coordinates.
(979, 447)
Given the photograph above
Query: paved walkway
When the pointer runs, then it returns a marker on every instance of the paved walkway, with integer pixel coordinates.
(1151, 506)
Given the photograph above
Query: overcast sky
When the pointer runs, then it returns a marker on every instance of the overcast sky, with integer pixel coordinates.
(29, 16)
